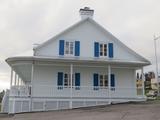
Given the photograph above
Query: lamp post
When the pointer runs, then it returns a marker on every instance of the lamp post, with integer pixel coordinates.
(155, 48)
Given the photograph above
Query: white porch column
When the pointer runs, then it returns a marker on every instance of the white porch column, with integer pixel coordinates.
(32, 73)
(21, 82)
(109, 83)
(15, 79)
(143, 79)
(11, 78)
(18, 81)
(71, 72)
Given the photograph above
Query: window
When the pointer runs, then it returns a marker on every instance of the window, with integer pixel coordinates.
(69, 48)
(103, 49)
(100, 81)
(67, 80)
(103, 80)
(64, 80)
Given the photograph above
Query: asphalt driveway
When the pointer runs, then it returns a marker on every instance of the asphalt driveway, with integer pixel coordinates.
(130, 111)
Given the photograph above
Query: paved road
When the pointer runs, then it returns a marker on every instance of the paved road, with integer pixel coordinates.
(132, 111)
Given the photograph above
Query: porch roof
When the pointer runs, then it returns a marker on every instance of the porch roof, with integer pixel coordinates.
(23, 65)
(79, 60)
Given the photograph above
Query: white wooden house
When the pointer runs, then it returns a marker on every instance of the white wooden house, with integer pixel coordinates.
(84, 65)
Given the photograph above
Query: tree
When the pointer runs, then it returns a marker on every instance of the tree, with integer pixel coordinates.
(1, 95)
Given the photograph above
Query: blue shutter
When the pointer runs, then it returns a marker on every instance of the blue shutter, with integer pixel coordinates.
(112, 80)
(61, 47)
(77, 48)
(60, 80)
(96, 49)
(77, 81)
(110, 47)
(95, 81)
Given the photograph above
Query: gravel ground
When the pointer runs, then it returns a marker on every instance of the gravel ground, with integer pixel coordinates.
(129, 111)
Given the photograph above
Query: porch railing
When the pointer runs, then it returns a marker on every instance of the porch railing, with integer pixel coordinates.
(24, 91)
(82, 91)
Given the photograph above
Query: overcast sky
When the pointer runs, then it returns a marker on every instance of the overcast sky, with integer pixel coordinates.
(25, 22)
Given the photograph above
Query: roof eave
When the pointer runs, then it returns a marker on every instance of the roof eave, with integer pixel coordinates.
(75, 60)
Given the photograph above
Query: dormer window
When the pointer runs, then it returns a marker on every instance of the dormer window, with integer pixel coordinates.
(69, 48)
(103, 49)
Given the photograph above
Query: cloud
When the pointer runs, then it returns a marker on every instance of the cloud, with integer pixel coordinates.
(4, 80)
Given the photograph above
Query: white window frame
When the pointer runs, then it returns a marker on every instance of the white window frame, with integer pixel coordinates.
(104, 79)
(68, 85)
(104, 52)
(70, 51)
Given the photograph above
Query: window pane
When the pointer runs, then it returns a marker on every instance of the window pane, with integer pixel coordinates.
(69, 81)
(65, 82)
(103, 50)
(71, 47)
(101, 80)
(101, 53)
(106, 80)
(67, 51)
(65, 79)
(101, 45)
(71, 43)
(72, 79)
(106, 77)
(65, 76)
(67, 48)
(67, 43)
(101, 76)
(71, 50)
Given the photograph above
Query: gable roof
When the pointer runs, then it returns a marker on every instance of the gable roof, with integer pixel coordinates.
(103, 30)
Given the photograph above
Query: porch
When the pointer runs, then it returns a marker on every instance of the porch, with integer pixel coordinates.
(34, 85)
(39, 79)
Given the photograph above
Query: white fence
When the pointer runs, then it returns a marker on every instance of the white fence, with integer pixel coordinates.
(24, 91)
(77, 92)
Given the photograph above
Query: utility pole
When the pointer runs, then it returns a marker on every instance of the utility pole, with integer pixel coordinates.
(155, 48)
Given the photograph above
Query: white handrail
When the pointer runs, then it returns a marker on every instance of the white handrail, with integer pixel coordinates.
(77, 91)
